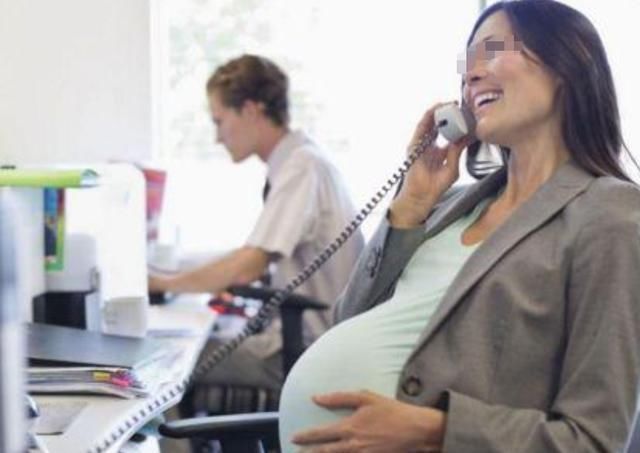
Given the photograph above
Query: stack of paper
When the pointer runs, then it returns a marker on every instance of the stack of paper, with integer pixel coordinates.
(123, 382)
(66, 360)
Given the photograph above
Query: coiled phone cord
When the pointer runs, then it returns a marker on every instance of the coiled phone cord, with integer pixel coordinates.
(264, 315)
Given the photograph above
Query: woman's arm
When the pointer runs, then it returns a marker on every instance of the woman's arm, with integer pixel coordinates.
(432, 174)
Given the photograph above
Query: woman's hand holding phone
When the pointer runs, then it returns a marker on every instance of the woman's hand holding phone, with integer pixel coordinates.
(429, 177)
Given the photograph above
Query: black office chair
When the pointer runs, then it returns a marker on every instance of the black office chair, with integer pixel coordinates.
(291, 311)
(239, 433)
(259, 429)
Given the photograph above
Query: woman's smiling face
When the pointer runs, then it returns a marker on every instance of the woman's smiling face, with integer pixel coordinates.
(510, 92)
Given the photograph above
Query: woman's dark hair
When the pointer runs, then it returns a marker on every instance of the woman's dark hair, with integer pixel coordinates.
(254, 78)
(568, 44)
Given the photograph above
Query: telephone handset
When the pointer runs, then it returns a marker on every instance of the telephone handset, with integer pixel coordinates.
(452, 122)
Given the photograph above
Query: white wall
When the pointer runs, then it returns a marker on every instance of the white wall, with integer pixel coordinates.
(75, 81)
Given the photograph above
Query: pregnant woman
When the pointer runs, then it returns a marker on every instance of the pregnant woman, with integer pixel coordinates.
(503, 316)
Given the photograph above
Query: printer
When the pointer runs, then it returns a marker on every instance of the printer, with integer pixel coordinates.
(85, 251)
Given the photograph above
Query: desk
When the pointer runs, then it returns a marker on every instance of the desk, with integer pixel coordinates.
(103, 414)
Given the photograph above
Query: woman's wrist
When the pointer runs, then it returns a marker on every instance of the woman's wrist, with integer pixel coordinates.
(432, 426)
(408, 212)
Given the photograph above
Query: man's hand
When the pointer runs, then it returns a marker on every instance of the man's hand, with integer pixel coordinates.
(159, 283)
(377, 425)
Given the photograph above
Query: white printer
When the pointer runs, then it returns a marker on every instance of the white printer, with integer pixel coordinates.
(101, 280)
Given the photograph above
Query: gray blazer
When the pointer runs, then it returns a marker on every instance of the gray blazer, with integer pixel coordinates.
(535, 347)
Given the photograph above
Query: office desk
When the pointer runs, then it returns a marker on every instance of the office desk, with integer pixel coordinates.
(103, 415)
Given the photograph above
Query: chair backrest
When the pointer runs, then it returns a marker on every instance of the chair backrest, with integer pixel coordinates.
(291, 312)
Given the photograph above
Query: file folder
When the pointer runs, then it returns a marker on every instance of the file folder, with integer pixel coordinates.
(60, 346)
(68, 360)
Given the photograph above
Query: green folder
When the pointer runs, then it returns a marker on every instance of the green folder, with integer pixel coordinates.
(48, 178)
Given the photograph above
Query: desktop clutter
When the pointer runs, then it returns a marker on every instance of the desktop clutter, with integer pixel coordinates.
(80, 241)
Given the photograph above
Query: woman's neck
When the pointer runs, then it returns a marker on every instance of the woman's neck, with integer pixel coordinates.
(531, 164)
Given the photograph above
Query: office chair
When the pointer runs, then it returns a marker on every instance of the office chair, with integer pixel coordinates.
(232, 398)
(240, 433)
(291, 311)
(263, 426)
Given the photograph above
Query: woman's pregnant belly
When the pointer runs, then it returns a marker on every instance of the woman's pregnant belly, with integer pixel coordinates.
(366, 352)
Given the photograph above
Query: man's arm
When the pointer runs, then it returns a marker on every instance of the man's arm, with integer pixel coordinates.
(241, 266)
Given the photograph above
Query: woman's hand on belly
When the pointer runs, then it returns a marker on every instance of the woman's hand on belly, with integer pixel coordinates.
(378, 424)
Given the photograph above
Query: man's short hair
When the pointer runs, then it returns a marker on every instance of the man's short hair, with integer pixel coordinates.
(255, 78)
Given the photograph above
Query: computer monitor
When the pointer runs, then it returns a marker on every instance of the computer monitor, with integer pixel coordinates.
(12, 341)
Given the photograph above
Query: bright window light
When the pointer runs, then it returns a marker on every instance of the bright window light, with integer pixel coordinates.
(361, 73)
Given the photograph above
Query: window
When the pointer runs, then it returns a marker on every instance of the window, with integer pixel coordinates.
(362, 74)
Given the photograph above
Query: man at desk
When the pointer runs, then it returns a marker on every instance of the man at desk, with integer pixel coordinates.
(305, 207)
